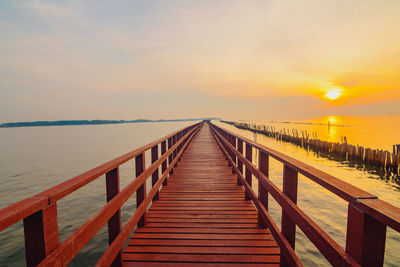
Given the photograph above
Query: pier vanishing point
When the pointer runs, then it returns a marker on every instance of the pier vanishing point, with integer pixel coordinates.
(202, 210)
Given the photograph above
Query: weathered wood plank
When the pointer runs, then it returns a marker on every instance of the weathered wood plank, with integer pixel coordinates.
(201, 258)
(202, 217)
(203, 250)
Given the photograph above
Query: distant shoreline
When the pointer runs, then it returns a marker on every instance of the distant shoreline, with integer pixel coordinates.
(89, 122)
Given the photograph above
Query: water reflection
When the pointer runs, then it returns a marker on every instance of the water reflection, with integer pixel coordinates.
(380, 132)
(365, 131)
(325, 208)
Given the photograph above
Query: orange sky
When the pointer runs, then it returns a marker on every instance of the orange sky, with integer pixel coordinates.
(233, 59)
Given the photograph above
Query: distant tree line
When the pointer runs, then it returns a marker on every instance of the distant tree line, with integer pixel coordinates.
(89, 122)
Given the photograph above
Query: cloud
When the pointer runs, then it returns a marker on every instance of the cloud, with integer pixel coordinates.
(234, 52)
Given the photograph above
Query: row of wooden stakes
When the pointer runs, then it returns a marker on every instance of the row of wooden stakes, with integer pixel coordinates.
(367, 157)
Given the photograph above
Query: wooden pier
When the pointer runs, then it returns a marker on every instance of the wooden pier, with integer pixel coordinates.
(201, 216)
(202, 210)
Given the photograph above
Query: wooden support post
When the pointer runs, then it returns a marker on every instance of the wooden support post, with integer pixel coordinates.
(170, 157)
(154, 176)
(365, 239)
(290, 182)
(240, 164)
(263, 166)
(164, 164)
(248, 175)
(114, 224)
(180, 146)
(227, 137)
(233, 142)
(141, 191)
(41, 234)
(175, 151)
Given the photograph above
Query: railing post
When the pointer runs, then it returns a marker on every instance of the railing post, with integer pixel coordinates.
(170, 157)
(240, 163)
(114, 224)
(141, 191)
(233, 143)
(41, 234)
(288, 227)
(175, 150)
(180, 146)
(365, 239)
(227, 137)
(263, 166)
(154, 176)
(164, 164)
(248, 176)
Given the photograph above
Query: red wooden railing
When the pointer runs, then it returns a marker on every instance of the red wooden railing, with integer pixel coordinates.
(39, 213)
(368, 216)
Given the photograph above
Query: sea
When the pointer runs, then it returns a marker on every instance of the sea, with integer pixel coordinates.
(33, 159)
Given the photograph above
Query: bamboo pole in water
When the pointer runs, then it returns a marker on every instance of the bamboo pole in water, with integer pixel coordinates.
(367, 157)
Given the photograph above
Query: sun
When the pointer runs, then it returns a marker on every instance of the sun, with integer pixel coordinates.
(334, 94)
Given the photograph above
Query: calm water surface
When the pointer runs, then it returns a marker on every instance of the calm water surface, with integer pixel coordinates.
(33, 159)
(325, 208)
(376, 132)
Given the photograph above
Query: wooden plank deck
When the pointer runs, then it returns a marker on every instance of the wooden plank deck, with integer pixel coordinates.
(201, 217)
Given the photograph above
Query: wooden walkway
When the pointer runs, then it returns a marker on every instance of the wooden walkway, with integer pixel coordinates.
(201, 217)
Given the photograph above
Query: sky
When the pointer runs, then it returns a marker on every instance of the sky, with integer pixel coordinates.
(179, 59)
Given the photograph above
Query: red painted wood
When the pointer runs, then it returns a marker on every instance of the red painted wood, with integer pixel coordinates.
(342, 189)
(204, 225)
(188, 264)
(114, 224)
(57, 192)
(41, 234)
(202, 250)
(181, 205)
(248, 174)
(164, 164)
(290, 182)
(202, 230)
(201, 206)
(174, 139)
(262, 259)
(289, 188)
(334, 253)
(382, 211)
(72, 245)
(154, 176)
(110, 254)
(26, 207)
(21, 210)
(141, 192)
(287, 250)
(263, 166)
(239, 162)
(234, 144)
(365, 239)
(171, 156)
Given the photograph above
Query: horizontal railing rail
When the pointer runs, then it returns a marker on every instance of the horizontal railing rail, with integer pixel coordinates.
(368, 216)
(264, 219)
(39, 213)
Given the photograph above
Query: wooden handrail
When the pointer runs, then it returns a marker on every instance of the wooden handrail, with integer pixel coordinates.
(331, 250)
(350, 193)
(116, 246)
(367, 215)
(20, 210)
(40, 211)
(340, 188)
(285, 247)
